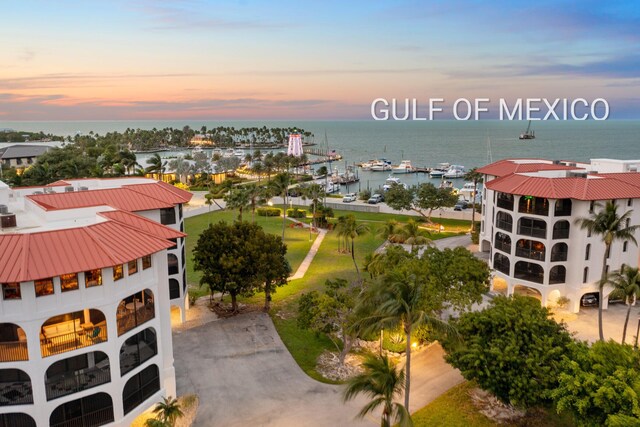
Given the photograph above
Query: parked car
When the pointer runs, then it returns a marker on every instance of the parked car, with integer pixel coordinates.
(375, 199)
(588, 300)
(350, 197)
(461, 205)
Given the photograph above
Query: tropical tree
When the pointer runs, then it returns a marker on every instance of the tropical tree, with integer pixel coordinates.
(257, 196)
(280, 186)
(237, 198)
(272, 266)
(381, 381)
(389, 231)
(413, 235)
(156, 165)
(423, 198)
(350, 229)
(168, 411)
(610, 226)
(626, 283)
(476, 177)
(313, 192)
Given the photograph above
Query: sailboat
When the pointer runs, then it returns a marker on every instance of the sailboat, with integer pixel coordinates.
(528, 134)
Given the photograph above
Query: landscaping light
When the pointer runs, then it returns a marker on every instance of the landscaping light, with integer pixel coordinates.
(270, 203)
(414, 345)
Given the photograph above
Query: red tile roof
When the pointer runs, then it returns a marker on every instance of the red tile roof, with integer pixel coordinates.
(33, 256)
(142, 224)
(509, 166)
(162, 191)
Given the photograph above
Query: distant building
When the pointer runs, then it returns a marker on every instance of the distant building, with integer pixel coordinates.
(201, 139)
(21, 156)
(529, 213)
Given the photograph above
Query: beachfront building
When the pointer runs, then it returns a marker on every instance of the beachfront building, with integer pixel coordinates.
(21, 156)
(529, 213)
(86, 278)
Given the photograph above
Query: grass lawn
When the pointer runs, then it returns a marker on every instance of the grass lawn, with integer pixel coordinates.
(455, 409)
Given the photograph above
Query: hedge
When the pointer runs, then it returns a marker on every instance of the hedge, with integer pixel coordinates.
(268, 211)
(296, 213)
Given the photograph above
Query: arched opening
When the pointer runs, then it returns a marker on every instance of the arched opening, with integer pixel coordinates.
(499, 285)
(16, 419)
(533, 205)
(503, 242)
(77, 373)
(138, 349)
(557, 275)
(15, 387)
(71, 331)
(140, 387)
(561, 229)
(13, 343)
(531, 249)
(504, 201)
(174, 289)
(559, 252)
(135, 310)
(172, 264)
(562, 208)
(526, 291)
(552, 298)
(532, 227)
(501, 263)
(504, 221)
(529, 271)
(93, 410)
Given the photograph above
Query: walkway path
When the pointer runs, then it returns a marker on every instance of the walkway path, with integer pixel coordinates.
(306, 262)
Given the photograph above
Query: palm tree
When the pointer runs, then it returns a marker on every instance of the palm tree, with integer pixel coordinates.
(382, 381)
(476, 177)
(168, 410)
(237, 198)
(414, 235)
(257, 196)
(611, 227)
(156, 165)
(389, 231)
(314, 192)
(351, 229)
(626, 282)
(280, 186)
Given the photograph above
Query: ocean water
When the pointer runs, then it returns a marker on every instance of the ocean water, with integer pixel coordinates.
(424, 143)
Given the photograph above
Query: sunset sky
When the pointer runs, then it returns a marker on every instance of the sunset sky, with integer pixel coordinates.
(191, 59)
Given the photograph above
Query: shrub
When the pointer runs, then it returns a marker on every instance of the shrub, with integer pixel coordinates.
(181, 186)
(364, 195)
(268, 211)
(296, 213)
(475, 234)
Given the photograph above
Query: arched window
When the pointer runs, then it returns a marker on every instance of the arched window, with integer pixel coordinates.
(71, 331)
(504, 201)
(501, 263)
(16, 419)
(135, 310)
(585, 275)
(587, 252)
(533, 205)
(174, 289)
(557, 274)
(77, 373)
(529, 271)
(16, 387)
(172, 263)
(137, 350)
(559, 252)
(532, 227)
(531, 249)
(562, 208)
(561, 229)
(13, 343)
(140, 387)
(503, 242)
(504, 221)
(93, 410)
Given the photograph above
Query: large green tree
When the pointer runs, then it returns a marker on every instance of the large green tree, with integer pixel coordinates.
(423, 198)
(413, 235)
(512, 349)
(610, 226)
(273, 268)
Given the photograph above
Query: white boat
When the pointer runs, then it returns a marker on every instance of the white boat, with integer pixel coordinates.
(239, 153)
(367, 165)
(380, 166)
(467, 191)
(196, 150)
(405, 166)
(391, 181)
(229, 152)
(455, 171)
(436, 173)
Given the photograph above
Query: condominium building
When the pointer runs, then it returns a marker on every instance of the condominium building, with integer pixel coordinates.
(530, 209)
(89, 270)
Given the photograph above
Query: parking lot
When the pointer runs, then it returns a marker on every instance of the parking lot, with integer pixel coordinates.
(585, 323)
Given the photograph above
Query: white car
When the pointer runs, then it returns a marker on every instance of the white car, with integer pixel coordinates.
(350, 197)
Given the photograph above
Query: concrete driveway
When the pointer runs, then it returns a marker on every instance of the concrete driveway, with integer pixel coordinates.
(245, 376)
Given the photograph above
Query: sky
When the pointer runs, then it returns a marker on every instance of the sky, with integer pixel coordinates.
(311, 60)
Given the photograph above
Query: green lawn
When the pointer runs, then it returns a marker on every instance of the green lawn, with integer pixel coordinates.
(455, 409)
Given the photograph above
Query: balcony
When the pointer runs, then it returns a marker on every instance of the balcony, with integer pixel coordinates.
(561, 230)
(505, 201)
(533, 205)
(62, 343)
(533, 231)
(15, 388)
(563, 207)
(133, 312)
(529, 271)
(502, 242)
(559, 252)
(73, 382)
(92, 410)
(530, 249)
(13, 343)
(501, 263)
(137, 350)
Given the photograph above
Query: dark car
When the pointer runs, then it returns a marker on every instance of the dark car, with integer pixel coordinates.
(589, 300)
(461, 205)
(375, 199)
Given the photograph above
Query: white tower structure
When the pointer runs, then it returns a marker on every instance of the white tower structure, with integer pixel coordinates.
(295, 145)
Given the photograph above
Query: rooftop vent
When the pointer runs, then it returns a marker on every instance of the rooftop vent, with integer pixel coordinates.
(557, 162)
(577, 174)
(49, 191)
(68, 189)
(4, 209)
(37, 192)
(83, 188)
(7, 220)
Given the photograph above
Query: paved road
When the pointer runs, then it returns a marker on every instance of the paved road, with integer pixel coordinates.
(245, 376)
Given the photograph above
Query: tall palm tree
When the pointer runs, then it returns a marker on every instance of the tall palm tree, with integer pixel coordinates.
(168, 410)
(389, 231)
(156, 165)
(351, 229)
(476, 177)
(626, 282)
(611, 227)
(237, 198)
(313, 192)
(257, 196)
(414, 235)
(382, 381)
(280, 186)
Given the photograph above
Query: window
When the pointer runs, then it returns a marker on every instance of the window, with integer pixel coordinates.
(175, 243)
(132, 266)
(118, 272)
(93, 278)
(44, 287)
(16, 387)
(11, 291)
(588, 232)
(630, 202)
(146, 262)
(17, 419)
(585, 275)
(172, 264)
(592, 205)
(69, 282)
(92, 410)
(168, 216)
(624, 246)
(174, 289)
(557, 275)
(587, 252)
(137, 350)
(563, 207)
(628, 222)
(140, 387)
(504, 221)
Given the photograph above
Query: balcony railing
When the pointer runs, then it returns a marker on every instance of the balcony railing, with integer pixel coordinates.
(136, 355)
(141, 314)
(96, 418)
(503, 246)
(532, 231)
(504, 225)
(531, 276)
(560, 233)
(535, 210)
(16, 393)
(13, 351)
(74, 382)
(530, 254)
(559, 256)
(505, 203)
(72, 341)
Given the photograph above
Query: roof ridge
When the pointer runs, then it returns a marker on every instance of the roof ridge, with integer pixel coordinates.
(25, 256)
(140, 217)
(88, 230)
